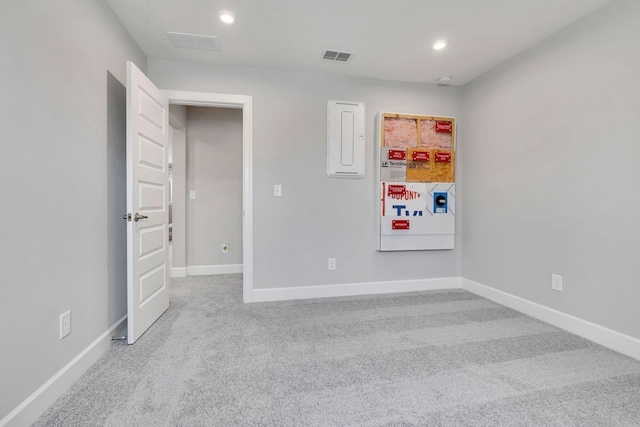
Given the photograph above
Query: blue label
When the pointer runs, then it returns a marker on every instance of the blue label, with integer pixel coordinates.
(440, 203)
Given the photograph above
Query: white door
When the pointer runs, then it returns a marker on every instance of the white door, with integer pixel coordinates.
(147, 196)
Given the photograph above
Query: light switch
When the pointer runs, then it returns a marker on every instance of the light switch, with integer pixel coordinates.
(277, 190)
(192, 194)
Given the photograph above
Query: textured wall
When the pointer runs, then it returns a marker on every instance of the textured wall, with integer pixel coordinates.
(317, 217)
(214, 172)
(62, 237)
(549, 154)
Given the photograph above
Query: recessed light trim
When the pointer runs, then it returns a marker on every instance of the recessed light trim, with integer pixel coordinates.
(227, 17)
(439, 44)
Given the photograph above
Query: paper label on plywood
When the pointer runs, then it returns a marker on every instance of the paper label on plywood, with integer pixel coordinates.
(397, 154)
(400, 224)
(443, 157)
(393, 165)
(445, 127)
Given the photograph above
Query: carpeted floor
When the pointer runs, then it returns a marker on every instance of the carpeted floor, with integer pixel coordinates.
(441, 358)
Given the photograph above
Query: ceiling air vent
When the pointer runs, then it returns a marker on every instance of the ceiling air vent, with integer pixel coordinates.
(194, 41)
(334, 55)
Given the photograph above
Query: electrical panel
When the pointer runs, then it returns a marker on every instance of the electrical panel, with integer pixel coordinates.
(345, 139)
(416, 174)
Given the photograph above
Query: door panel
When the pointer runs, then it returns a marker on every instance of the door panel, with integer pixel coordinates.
(151, 154)
(147, 195)
(152, 240)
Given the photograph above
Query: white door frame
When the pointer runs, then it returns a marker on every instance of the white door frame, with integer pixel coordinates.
(244, 102)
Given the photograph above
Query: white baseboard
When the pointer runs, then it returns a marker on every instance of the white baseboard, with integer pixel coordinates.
(179, 272)
(609, 338)
(28, 411)
(350, 289)
(206, 270)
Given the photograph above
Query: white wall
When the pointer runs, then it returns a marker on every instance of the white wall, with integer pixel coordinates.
(178, 122)
(317, 217)
(550, 144)
(214, 172)
(62, 237)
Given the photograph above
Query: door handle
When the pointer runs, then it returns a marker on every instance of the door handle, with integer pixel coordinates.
(138, 217)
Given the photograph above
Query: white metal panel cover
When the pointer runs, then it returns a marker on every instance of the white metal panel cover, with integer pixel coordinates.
(345, 139)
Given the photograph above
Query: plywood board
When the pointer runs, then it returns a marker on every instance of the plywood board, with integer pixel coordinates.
(439, 168)
(443, 166)
(419, 165)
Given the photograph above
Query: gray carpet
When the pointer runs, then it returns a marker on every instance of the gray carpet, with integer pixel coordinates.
(441, 358)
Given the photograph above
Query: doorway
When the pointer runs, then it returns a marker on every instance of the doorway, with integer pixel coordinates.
(205, 188)
(244, 103)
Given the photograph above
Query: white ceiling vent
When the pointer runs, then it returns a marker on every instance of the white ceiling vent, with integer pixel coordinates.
(336, 56)
(194, 41)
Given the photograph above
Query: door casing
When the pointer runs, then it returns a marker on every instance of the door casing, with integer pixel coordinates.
(244, 102)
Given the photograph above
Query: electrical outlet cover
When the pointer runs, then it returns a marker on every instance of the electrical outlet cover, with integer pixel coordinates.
(65, 324)
(556, 282)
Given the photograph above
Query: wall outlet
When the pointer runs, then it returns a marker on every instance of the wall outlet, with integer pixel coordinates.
(331, 264)
(556, 282)
(225, 248)
(65, 324)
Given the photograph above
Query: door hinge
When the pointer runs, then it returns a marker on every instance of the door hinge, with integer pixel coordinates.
(127, 217)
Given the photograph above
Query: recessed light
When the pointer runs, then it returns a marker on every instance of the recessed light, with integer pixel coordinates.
(227, 17)
(439, 44)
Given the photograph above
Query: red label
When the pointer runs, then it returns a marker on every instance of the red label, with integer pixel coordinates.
(397, 155)
(445, 127)
(443, 157)
(396, 190)
(420, 156)
(400, 224)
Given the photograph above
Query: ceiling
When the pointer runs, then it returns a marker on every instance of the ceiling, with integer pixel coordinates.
(389, 39)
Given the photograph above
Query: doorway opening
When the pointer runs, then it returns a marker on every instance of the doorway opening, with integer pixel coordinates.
(205, 175)
(222, 102)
